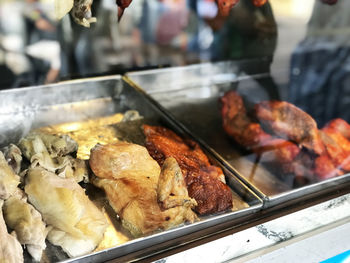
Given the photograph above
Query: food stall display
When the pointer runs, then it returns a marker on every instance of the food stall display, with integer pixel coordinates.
(88, 165)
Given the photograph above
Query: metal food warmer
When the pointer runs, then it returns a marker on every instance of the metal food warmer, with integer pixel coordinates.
(75, 102)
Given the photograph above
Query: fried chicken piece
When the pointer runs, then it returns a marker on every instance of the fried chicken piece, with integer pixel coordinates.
(8, 179)
(27, 222)
(10, 249)
(134, 185)
(290, 123)
(77, 224)
(201, 178)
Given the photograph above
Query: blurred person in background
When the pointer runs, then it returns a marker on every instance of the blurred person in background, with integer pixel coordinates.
(42, 43)
(320, 65)
(249, 32)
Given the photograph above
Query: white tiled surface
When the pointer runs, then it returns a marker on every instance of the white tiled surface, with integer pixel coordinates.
(286, 231)
(316, 248)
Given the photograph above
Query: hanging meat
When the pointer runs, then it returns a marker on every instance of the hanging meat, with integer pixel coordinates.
(122, 4)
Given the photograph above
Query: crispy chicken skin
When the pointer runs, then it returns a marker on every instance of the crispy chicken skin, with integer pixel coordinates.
(145, 197)
(340, 126)
(290, 123)
(204, 182)
(10, 249)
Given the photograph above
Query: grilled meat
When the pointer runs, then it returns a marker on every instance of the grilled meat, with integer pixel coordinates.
(250, 134)
(204, 181)
(290, 123)
(340, 126)
(328, 150)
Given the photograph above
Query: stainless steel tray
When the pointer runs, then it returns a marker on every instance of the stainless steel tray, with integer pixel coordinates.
(190, 95)
(22, 110)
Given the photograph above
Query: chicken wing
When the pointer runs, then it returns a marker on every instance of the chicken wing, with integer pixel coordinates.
(130, 176)
(10, 249)
(77, 224)
(171, 189)
(204, 182)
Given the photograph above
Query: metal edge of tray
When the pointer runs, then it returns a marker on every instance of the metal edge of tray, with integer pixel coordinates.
(170, 239)
(218, 71)
(304, 193)
(203, 144)
(209, 226)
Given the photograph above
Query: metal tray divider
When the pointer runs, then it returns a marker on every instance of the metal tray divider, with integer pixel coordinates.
(199, 140)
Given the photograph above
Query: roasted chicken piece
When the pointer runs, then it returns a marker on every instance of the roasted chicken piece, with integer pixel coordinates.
(205, 183)
(52, 153)
(290, 123)
(171, 188)
(10, 249)
(77, 224)
(27, 223)
(327, 150)
(8, 179)
(337, 147)
(340, 126)
(145, 197)
(250, 134)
